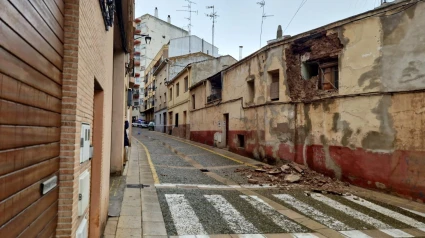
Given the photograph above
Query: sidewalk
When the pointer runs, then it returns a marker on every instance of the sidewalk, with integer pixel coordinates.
(140, 197)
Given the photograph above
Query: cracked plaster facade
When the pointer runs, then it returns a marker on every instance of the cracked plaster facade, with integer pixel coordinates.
(370, 132)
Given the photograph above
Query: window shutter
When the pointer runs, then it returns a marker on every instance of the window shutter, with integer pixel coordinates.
(274, 91)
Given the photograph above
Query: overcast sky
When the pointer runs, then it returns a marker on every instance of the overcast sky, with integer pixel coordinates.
(239, 21)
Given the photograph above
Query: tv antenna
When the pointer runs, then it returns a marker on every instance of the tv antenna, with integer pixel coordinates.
(213, 15)
(189, 9)
(262, 3)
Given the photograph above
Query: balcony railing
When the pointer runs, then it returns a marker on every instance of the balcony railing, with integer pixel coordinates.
(214, 97)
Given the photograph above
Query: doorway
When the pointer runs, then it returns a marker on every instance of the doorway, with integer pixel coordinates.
(226, 126)
(164, 122)
(96, 201)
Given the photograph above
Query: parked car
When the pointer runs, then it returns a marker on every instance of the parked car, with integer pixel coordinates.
(140, 123)
(151, 126)
(144, 124)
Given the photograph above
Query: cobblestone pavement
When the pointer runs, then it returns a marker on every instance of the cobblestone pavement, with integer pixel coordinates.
(193, 192)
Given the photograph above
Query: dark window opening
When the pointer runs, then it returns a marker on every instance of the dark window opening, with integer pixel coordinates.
(241, 139)
(193, 101)
(274, 85)
(176, 120)
(251, 91)
(171, 94)
(309, 70)
(326, 72)
(177, 89)
(186, 84)
(216, 87)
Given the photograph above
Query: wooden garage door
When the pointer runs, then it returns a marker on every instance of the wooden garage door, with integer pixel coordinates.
(31, 54)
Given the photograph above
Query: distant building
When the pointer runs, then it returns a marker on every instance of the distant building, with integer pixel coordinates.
(160, 32)
(181, 101)
(176, 54)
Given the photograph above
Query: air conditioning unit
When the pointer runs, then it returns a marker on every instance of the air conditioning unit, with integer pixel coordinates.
(83, 229)
(83, 192)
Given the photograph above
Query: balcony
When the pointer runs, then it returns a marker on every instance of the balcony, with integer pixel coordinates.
(137, 60)
(214, 97)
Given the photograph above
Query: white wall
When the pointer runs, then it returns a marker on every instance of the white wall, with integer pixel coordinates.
(180, 46)
(161, 32)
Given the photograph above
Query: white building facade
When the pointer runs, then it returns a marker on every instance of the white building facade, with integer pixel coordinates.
(160, 32)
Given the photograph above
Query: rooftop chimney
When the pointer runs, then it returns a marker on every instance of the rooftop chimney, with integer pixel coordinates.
(169, 19)
(279, 32)
(240, 52)
(156, 12)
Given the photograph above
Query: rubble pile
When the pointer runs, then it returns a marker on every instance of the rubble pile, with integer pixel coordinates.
(293, 176)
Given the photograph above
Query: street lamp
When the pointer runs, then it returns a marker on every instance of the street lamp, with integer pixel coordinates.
(147, 37)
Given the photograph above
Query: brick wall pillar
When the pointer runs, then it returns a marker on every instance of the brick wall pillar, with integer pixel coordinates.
(70, 131)
(119, 94)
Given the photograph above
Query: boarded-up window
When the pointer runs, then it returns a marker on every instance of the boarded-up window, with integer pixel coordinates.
(329, 75)
(186, 84)
(274, 85)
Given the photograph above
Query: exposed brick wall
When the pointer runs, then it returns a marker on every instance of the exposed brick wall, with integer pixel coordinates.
(88, 55)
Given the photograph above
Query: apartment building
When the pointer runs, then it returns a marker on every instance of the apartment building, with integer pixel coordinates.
(63, 79)
(336, 99)
(145, 49)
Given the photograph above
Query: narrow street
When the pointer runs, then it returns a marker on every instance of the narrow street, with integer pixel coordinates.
(194, 191)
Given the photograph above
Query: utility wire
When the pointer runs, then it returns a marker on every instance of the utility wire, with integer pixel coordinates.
(301, 5)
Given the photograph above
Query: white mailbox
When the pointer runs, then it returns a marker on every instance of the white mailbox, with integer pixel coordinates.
(83, 229)
(83, 192)
(85, 143)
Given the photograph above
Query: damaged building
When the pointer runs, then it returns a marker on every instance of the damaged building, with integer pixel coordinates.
(346, 99)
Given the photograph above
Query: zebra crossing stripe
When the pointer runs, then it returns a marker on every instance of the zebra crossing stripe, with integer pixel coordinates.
(235, 220)
(184, 218)
(415, 212)
(304, 235)
(355, 234)
(397, 216)
(312, 212)
(279, 219)
(396, 233)
(351, 212)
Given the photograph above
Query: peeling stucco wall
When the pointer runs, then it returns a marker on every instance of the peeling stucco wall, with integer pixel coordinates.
(369, 132)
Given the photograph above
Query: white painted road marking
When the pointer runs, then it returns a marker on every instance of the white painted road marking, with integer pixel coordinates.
(351, 212)
(212, 186)
(184, 218)
(415, 212)
(312, 212)
(304, 235)
(354, 234)
(235, 220)
(397, 216)
(274, 215)
(396, 233)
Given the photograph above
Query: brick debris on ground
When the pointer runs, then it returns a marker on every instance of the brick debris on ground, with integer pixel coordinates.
(293, 176)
